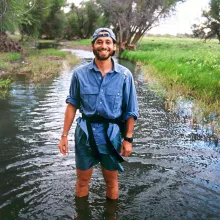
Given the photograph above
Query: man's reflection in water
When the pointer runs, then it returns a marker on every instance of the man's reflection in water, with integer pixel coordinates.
(110, 209)
(84, 213)
(82, 208)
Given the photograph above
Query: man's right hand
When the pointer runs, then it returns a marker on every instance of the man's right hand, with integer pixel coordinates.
(63, 145)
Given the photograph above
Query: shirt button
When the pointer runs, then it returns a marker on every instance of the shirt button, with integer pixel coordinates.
(93, 129)
(100, 77)
(100, 102)
(101, 90)
(118, 93)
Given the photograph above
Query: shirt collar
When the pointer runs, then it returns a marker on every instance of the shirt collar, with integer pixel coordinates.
(93, 66)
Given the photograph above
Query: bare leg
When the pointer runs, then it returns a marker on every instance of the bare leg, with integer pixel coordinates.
(82, 183)
(111, 180)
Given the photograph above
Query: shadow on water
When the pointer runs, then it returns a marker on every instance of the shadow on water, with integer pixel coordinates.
(46, 45)
(169, 175)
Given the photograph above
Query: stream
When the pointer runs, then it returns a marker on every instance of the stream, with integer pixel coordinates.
(173, 172)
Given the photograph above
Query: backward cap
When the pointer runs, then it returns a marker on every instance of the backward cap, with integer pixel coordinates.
(96, 34)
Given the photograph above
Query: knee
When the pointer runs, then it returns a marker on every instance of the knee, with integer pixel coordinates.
(111, 183)
(83, 181)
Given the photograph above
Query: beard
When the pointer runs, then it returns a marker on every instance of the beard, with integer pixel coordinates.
(95, 52)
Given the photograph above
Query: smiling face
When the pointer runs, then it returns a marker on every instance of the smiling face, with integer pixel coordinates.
(103, 47)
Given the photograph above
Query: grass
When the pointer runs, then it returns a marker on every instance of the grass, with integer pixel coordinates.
(84, 42)
(47, 63)
(4, 65)
(46, 41)
(48, 52)
(186, 67)
(35, 66)
(4, 87)
(7, 60)
(11, 56)
(4, 84)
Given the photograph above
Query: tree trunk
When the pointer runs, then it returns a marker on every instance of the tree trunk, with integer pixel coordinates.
(121, 43)
(218, 34)
(136, 38)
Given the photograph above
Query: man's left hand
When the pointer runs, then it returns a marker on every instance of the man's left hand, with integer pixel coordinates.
(126, 148)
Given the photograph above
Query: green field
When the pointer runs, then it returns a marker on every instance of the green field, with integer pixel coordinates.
(188, 66)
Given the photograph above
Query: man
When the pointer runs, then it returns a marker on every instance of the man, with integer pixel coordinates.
(104, 93)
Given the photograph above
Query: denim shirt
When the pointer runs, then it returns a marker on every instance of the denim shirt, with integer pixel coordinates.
(111, 96)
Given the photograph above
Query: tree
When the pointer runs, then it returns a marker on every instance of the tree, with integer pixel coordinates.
(198, 31)
(133, 18)
(93, 14)
(71, 27)
(210, 28)
(32, 17)
(214, 30)
(31, 23)
(53, 26)
(12, 14)
(83, 20)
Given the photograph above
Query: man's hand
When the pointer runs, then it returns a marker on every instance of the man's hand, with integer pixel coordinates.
(68, 120)
(63, 145)
(126, 148)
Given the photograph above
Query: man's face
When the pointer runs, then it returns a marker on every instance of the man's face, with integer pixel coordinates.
(103, 47)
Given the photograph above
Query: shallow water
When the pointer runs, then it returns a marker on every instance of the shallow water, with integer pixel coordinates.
(173, 173)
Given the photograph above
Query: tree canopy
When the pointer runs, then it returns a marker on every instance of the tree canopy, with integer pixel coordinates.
(82, 20)
(211, 26)
(131, 19)
(32, 17)
(13, 12)
(52, 26)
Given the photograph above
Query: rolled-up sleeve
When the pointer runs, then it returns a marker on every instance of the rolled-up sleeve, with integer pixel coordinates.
(130, 103)
(74, 94)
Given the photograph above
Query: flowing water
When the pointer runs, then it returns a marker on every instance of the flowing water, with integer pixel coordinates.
(173, 172)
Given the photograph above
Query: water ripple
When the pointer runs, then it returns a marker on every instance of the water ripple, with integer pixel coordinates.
(173, 172)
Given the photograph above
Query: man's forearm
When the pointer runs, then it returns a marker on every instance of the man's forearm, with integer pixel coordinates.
(69, 117)
(129, 127)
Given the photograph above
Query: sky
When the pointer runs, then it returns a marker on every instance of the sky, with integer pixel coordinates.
(187, 14)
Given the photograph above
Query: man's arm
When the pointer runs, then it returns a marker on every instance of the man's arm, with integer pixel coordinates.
(68, 120)
(127, 146)
(129, 127)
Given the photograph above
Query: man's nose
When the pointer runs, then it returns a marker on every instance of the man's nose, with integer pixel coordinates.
(104, 45)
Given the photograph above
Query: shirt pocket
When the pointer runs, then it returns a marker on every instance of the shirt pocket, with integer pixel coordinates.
(89, 97)
(114, 99)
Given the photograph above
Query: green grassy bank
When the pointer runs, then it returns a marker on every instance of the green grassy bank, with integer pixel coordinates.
(36, 66)
(186, 67)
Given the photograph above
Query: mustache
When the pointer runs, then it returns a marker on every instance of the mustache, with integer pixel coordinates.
(103, 49)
